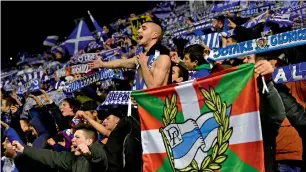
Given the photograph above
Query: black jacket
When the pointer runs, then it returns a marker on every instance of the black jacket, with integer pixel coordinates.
(272, 114)
(114, 146)
(63, 122)
(96, 162)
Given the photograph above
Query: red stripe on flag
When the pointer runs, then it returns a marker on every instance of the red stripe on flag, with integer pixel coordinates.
(250, 153)
(247, 101)
(150, 122)
(152, 162)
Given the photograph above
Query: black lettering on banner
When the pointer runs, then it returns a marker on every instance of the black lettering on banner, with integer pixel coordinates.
(90, 80)
(125, 97)
(119, 96)
(115, 96)
(85, 68)
(80, 59)
(83, 82)
(109, 97)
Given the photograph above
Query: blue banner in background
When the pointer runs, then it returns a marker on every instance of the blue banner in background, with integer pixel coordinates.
(226, 5)
(290, 73)
(101, 75)
(33, 85)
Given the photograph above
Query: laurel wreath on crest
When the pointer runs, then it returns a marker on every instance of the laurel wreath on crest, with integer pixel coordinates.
(214, 160)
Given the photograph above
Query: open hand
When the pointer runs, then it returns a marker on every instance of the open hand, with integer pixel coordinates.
(142, 59)
(46, 96)
(174, 57)
(231, 24)
(97, 63)
(263, 67)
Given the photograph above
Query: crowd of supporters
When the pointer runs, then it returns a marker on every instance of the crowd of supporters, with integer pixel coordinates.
(78, 134)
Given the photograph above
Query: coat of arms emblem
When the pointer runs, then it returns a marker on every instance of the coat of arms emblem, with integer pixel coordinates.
(197, 144)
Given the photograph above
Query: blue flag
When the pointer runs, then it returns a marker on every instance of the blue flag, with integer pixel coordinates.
(79, 38)
(50, 41)
(98, 28)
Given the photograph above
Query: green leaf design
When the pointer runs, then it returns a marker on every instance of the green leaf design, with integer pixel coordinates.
(223, 148)
(166, 113)
(167, 103)
(186, 169)
(219, 105)
(194, 170)
(213, 94)
(228, 134)
(208, 170)
(215, 151)
(205, 162)
(214, 166)
(172, 121)
(226, 123)
(206, 94)
(164, 121)
(194, 164)
(220, 133)
(223, 112)
(210, 105)
(217, 118)
(173, 113)
(220, 159)
(173, 100)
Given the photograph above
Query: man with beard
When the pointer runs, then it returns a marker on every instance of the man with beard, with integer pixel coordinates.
(152, 64)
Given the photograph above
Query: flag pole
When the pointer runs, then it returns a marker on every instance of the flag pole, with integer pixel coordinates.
(99, 33)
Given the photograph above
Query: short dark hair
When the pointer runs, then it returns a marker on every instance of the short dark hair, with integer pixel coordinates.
(9, 101)
(74, 104)
(26, 120)
(89, 131)
(183, 72)
(196, 53)
(220, 19)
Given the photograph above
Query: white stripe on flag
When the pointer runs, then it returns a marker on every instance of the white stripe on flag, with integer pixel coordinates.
(246, 129)
(147, 137)
(189, 100)
(246, 122)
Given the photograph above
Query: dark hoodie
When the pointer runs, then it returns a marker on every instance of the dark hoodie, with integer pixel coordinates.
(45, 127)
(63, 122)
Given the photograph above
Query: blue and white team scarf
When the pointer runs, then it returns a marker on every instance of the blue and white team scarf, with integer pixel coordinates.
(101, 75)
(290, 73)
(260, 45)
(117, 98)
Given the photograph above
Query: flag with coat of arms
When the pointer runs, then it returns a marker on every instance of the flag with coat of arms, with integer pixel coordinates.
(203, 125)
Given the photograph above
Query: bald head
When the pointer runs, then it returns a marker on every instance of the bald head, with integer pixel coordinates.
(155, 28)
(148, 32)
